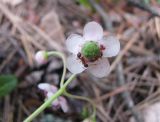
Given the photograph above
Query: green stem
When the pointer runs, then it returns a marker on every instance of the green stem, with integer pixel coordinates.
(49, 101)
(54, 53)
(82, 98)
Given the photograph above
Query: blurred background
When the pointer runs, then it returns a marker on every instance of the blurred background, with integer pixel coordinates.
(131, 92)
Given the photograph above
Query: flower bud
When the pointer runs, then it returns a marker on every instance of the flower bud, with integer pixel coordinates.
(41, 57)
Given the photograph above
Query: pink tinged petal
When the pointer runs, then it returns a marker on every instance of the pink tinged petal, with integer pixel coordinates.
(112, 46)
(44, 86)
(47, 87)
(74, 65)
(74, 43)
(100, 69)
(53, 89)
(93, 31)
(55, 102)
(63, 103)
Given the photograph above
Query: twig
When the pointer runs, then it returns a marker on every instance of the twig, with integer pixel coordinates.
(7, 110)
(103, 14)
(7, 60)
(114, 92)
(21, 25)
(157, 22)
(126, 95)
(15, 44)
(144, 59)
(125, 49)
(141, 5)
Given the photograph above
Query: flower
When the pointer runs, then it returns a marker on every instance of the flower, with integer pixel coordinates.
(41, 57)
(50, 90)
(89, 52)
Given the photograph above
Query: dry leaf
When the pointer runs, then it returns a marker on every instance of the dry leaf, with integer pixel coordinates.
(51, 25)
(12, 2)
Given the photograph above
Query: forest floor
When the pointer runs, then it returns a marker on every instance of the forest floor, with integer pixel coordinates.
(133, 84)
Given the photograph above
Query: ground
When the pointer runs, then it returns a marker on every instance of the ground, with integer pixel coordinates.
(33, 25)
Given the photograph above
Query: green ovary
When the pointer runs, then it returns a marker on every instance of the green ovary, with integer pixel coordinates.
(90, 50)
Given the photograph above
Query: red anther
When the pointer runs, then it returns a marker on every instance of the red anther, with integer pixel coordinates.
(79, 55)
(85, 65)
(101, 54)
(82, 59)
(84, 62)
(102, 47)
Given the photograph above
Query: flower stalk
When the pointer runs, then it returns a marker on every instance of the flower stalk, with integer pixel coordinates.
(85, 99)
(61, 55)
(59, 92)
(88, 52)
(50, 100)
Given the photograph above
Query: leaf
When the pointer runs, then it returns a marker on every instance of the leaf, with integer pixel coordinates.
(7, 84)
(12, 2)
(85, 112)
(85, 3)
(158, 1)
(146, 1)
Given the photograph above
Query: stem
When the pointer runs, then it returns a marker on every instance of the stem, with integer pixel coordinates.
(82, 98)
(54, 53)
(50, 100)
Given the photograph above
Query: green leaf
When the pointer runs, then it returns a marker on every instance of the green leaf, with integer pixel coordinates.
(85, 112)
(94, 119)
(158, 1)
(84, 3)
(147, 1)
(7, 84)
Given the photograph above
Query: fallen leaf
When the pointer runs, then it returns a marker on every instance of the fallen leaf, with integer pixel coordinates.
(12, 2)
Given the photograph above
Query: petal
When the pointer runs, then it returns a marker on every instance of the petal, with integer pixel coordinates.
(100, 69)
(47, 87)
(112, 46)
(44, 86)
(63, 103)
(93, 31)
(55, 102)
(74, 65)
(74, 42)
(41, 57)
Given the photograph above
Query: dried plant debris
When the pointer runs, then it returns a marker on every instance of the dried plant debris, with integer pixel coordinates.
(28, 26)
(12, 2)
(151, 113)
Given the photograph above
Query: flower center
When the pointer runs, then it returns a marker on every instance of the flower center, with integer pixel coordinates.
(91, 50)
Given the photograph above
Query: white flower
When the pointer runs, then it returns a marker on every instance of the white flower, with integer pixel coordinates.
(90, 50)
(41, 57)
(51, 90)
